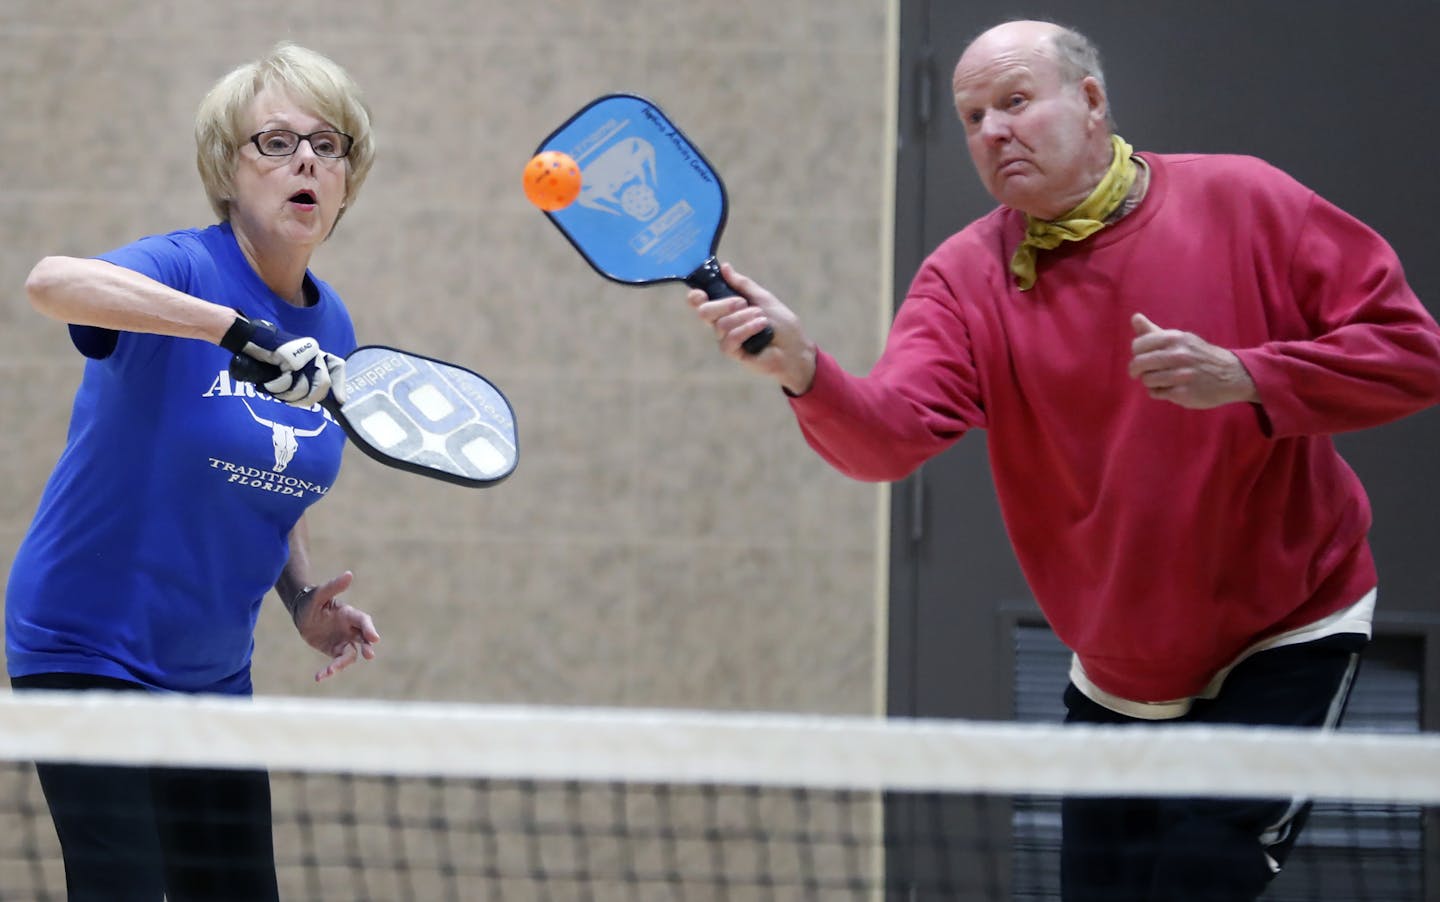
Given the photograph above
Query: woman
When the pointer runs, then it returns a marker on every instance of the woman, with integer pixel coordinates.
(179, 498)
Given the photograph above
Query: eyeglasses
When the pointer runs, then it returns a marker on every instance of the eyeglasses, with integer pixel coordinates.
(281, 142)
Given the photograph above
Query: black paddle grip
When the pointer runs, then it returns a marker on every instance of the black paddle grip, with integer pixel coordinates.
(244, 368)
(708, 279)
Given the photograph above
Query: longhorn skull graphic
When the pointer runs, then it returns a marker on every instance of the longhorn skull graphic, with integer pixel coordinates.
(283, 437)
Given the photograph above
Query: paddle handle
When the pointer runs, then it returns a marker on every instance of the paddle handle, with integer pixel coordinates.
(708, 279)
(244, 368)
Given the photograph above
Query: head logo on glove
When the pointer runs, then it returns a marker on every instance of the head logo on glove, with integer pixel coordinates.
(305, 374)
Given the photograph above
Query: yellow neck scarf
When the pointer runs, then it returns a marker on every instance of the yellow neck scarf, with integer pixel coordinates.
(1081, 222)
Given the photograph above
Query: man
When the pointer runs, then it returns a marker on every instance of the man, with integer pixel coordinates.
(1161, 347)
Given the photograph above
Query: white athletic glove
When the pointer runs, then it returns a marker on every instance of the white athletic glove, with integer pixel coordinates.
(307, 374)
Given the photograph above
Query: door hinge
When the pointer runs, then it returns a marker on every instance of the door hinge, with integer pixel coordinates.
(924, 90)
(917, 506)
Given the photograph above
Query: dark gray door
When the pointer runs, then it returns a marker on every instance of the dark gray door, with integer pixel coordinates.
(1339, 94)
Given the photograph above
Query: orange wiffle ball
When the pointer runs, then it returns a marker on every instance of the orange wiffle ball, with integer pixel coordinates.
(552, 180)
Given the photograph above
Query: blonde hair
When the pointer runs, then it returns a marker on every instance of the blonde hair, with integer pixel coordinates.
(310, 79)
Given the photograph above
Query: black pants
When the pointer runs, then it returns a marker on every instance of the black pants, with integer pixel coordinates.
(143, 834)
(1205, 850)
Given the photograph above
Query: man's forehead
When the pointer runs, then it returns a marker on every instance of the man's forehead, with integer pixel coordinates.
(973, 73)
(1005, 69)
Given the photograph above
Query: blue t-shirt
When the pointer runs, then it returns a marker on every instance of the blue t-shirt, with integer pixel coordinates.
(168, 516)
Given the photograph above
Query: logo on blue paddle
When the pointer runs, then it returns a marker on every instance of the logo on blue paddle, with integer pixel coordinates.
(650, 207)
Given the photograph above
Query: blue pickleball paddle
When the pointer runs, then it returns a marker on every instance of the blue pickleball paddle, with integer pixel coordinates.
(651, 207)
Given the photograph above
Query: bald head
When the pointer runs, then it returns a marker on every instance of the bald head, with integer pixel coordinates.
(1032, 100)
(1023, 36)
(1076, 56)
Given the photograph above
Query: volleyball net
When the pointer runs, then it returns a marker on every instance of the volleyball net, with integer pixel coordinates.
(421, 801)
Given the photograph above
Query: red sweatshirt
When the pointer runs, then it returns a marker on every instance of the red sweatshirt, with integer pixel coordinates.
(1160, 542)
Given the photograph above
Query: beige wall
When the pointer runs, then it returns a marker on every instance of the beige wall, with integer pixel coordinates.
(668, 539)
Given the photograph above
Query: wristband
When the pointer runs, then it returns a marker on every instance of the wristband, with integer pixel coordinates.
(238, 335)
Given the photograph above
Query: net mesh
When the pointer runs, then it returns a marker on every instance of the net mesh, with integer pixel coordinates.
(445, 839)
(378, 801)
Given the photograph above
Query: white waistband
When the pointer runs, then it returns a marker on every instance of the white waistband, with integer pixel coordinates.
(1354, 619)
